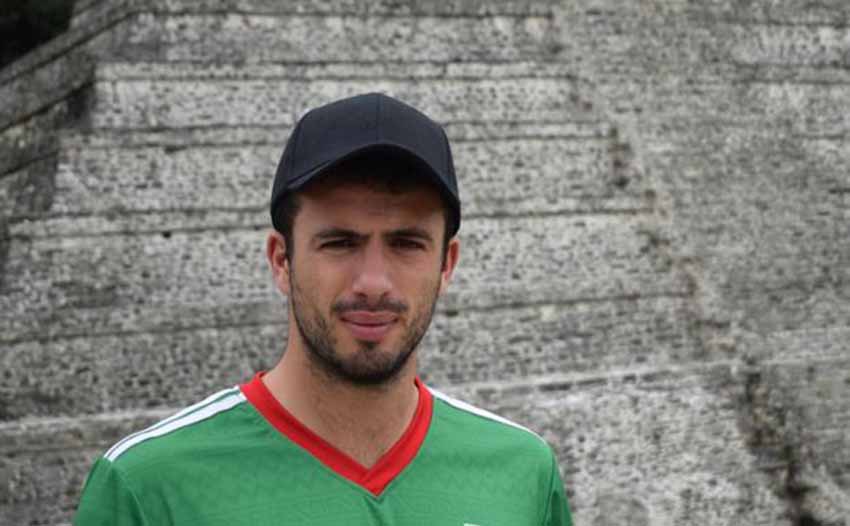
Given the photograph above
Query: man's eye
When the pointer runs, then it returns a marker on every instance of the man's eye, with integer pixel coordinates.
(407, 244)
(338, 243)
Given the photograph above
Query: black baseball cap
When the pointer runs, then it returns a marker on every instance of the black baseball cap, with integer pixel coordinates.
(366, 125)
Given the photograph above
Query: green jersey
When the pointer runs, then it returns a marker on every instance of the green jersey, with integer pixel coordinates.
(240, 458)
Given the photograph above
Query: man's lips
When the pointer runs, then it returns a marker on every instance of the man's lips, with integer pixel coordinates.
(368, 325)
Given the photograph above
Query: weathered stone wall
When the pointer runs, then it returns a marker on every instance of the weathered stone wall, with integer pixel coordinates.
(654, 272)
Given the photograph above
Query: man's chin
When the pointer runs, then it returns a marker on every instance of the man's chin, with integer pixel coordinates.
(374, 370)
(370, 365)
(363, 351)
(368, 377)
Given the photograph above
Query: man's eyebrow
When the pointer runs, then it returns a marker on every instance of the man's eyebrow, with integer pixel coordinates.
(334, 232)
(414, 232)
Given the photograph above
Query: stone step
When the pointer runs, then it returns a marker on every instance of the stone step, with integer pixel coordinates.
(268, 32)
(272, 37)
(38, 89)
(122, 371)
(459, 8)
(586, 126)
(149, 31)
(96, 374)
(36, 137)
(513, 176)
(782, 12)
(127, 98)
(814, 43)
(117, 70)
(809, 109)
(507, 31)
(797, 107)
(697, 430)
(761, 210)
(102, 284)
(28, 191)
(86, 38)
(787, 12)
(743, 39)
(44, 462)
(777, 12)
(155, 103)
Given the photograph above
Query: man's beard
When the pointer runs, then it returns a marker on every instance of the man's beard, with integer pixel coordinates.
(370, 365)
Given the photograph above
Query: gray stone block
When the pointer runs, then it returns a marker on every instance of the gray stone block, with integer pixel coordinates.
(85, 9)
(31, 140)
(123, 372)
(507, 177)
(103, 284)
(29, 191)
(779, 12)
(523, 343)
(44, 463)
(629, 441)
(65, 46)
(137, 283)
(247, 37)
(140, 104)
(653, 273)
(88, 374)
(814, 45)
(42, 87)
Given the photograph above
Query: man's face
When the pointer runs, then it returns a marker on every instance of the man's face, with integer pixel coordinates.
(365, 276)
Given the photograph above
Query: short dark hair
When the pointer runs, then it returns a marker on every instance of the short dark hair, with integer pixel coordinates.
(380, 173)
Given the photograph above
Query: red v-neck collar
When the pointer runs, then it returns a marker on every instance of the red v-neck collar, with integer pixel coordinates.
(373, 479)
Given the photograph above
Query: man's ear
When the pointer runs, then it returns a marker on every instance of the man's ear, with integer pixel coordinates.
(452, 256)
(278, 262)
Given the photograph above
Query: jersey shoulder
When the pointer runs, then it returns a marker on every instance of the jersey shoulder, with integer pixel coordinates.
(189, 429)
(473, 425)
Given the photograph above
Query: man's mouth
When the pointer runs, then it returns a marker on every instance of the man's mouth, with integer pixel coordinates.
(369, 326)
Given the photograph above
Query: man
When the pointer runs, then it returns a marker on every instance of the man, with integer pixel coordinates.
(341, 431)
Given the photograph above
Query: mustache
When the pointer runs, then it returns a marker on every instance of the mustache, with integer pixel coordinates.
(384, 305)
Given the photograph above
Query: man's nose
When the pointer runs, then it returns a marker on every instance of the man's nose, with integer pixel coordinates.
(372, 280)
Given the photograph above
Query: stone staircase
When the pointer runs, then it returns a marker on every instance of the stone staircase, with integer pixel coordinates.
(653, 270)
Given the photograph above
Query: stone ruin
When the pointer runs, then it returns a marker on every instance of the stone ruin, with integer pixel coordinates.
(655, 273)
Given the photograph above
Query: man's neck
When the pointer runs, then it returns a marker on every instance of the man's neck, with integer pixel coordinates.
(362, 422)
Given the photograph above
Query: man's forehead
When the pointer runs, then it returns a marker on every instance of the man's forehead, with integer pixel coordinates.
(352, 189)
(353, 201)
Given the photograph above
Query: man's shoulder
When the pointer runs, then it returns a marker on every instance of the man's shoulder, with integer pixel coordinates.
(190, 429)
(469, 424)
